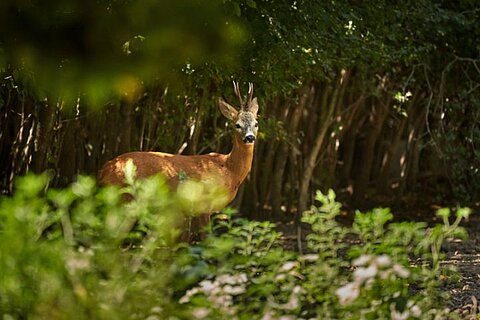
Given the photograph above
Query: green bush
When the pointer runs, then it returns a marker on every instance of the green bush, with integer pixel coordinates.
(365, 271)
(78, 253)
(81, 252)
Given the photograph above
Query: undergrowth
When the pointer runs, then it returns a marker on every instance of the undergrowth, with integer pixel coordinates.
(81, 252)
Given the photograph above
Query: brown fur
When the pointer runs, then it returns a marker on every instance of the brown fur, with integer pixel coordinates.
(228, 170)
(232, 168)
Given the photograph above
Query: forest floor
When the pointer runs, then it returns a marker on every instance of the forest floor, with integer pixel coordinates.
(464, 255)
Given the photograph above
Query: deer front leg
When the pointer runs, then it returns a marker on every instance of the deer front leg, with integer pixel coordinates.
(198, 225)
(193, 230)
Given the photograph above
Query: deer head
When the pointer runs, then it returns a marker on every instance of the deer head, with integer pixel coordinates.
(245, 119)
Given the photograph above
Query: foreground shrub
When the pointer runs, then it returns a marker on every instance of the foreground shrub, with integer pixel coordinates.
(81, 252)
(359, 272)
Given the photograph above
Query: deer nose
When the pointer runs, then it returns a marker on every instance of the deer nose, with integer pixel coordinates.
(249, 138)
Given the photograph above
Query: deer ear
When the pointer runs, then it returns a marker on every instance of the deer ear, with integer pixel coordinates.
(253, 108)
(227, 110)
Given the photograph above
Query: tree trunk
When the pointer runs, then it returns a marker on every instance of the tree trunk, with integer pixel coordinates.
(67, 159)
(383, 182)
(410, 166)
(355, 121)
(283, 151)
(43, 135)
(333, 146)
(323, 127)
(125, 131)
(377, 118)
(268, 153)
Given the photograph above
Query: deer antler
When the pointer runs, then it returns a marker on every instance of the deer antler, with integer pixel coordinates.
(250, 93)
(236, 88)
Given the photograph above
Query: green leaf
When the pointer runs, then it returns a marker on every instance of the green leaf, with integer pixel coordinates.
(252, 4)
(236, 8)
(32, 185)
(463, 212)
(443, 213)
(84, 186)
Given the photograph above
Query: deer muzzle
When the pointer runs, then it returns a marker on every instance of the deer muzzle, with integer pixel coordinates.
(249, 138)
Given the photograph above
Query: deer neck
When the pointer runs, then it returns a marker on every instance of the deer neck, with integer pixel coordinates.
(239, 160)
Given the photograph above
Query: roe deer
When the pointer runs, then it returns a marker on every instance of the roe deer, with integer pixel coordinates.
(229, 170)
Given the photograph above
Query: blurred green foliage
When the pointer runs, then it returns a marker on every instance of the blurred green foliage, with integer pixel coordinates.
(61, 250)
(81, 253)
(70, 48)
(459, 142)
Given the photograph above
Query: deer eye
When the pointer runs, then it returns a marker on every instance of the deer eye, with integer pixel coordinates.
(256, 124)
(238, 126)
